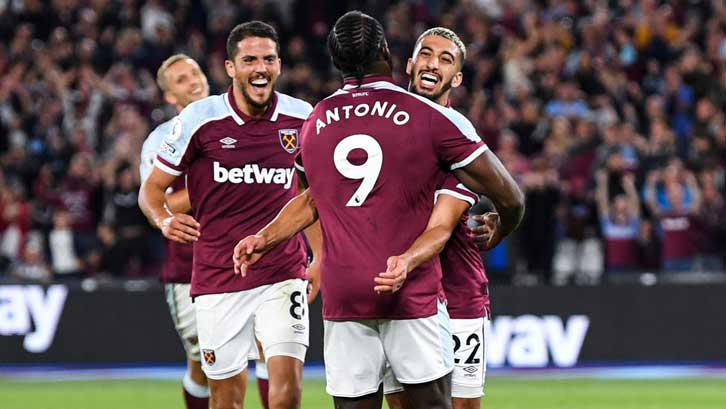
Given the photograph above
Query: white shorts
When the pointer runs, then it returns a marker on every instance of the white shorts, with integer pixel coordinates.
(470, 358)
(357, 352)
(183, 316)
(228, 324)
(467, 380)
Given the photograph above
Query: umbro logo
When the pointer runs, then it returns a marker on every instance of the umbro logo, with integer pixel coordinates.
(471, 369)
(299, 327)
(228, 142)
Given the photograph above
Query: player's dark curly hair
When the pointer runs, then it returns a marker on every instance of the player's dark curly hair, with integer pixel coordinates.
(355, 42)
(250, 29)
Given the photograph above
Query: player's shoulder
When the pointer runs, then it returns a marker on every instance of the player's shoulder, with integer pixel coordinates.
(197, 114)
(292, 107)
(440, 112)
(161, 130)
(155, 138)
(206, 109)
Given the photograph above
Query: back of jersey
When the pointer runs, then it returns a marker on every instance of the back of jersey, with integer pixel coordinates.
(371, 155)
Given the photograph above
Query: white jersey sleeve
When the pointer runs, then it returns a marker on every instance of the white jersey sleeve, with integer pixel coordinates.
(151, 147)
(177, 141)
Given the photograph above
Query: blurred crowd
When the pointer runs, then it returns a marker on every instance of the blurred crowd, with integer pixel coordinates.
(609, 113)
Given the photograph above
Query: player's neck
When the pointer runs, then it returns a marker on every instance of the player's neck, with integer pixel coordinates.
(376, 69)
(443, 100)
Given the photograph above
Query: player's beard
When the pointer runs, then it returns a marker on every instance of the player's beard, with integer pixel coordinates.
(254, 104)
(445, 87)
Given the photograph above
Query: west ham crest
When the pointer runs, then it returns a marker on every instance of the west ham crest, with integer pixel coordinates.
(288, 139)
(209, 357)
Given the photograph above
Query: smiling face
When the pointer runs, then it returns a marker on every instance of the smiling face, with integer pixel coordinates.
(434, 68)
(185, 83)
(254, 70)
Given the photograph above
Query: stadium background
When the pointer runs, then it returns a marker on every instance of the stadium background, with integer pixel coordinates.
(571, 95)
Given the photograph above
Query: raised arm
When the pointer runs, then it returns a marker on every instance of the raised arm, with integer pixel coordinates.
(601, 193)
(692, 184)
(631, 193)
(315, 239)
(650, 192)
(487, 175)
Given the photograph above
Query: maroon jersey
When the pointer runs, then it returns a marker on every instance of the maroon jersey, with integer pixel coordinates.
(177, 266)
(621, 248)
(240, 173)
(678, 241)
(464, 278)
(79, 197)
(372, 156)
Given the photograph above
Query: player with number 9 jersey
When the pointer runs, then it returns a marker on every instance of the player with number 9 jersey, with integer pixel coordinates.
(371, 155)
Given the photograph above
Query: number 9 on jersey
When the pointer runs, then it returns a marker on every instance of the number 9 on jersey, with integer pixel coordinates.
(367, 172)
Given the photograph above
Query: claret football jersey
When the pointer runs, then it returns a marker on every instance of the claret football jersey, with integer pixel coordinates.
(372, 155)
(464, 278)
(240, 173)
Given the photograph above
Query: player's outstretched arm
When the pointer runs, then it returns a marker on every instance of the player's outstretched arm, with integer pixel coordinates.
(315, 240)
(487, 176)
(299, 213)
(178, 227)
(445, 216)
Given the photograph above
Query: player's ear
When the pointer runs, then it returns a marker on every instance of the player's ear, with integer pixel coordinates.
(170, 98)
(409, 66)
(229, 67)
(457, 80)
(386, 54)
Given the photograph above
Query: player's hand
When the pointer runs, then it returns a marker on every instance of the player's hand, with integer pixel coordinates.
(486, 232)
(393, 278)
(247, 252)
(313, 276)
(180, 227)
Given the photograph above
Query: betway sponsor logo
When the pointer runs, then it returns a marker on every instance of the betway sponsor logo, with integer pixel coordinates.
(531, 341)
(252, 173)
(27, 310)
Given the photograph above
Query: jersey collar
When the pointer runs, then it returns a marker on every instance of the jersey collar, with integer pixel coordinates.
(368, 82)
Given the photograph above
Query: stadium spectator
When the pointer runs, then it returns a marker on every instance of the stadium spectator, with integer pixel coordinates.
(653, 71)
(712, 233)
(31, 265)
(542, 195)
(15, 222)
(674, 204)
(619, 222)
(64, 261)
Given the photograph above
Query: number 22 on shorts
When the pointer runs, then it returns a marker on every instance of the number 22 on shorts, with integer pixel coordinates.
(368, 171)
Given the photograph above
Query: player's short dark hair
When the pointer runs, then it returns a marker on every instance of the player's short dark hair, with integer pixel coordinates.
(250, 29)
(355, 42)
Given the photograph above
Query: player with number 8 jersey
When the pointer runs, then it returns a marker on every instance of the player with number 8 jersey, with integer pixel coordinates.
(238, 151)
